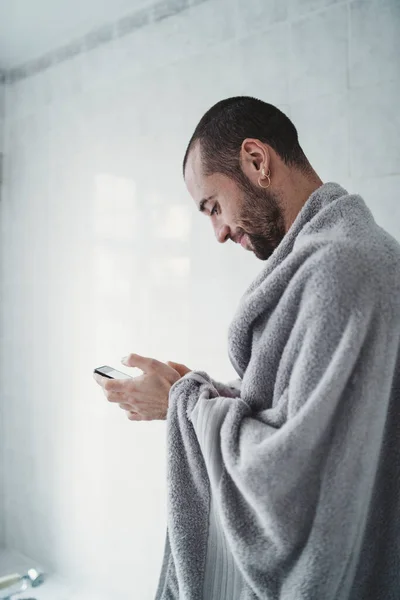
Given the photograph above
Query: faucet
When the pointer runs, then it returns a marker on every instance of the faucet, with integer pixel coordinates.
(32, 578)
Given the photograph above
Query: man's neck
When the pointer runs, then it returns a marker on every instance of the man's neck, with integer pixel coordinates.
(295, 191)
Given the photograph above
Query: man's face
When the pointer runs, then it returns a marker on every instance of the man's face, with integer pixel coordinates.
(239, 210)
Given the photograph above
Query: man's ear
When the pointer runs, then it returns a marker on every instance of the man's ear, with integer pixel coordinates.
(254, 156)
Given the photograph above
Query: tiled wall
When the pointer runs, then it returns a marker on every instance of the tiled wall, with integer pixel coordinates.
(106, 254)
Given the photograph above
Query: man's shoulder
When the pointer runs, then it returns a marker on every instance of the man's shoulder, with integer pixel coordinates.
(338, 263)
(346, 237)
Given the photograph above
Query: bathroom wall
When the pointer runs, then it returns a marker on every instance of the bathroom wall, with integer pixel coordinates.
(2, 94)
(104, 252)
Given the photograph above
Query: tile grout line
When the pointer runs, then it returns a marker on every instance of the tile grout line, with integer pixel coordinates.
(294, 18)
(348, 108)
(100, 36)
(125, 25)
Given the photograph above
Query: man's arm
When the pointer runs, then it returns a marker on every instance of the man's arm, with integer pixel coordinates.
(296, 497)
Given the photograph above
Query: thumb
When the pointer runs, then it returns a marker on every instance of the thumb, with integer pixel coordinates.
(182, 369)
(144, 363)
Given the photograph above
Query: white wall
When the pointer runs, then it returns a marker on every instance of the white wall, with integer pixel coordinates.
(106, 253)
(2, 532)
(58, 22)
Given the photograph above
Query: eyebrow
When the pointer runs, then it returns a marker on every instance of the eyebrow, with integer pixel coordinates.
(204, 202)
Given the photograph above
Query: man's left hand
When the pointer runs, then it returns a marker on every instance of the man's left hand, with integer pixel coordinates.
(145, 398)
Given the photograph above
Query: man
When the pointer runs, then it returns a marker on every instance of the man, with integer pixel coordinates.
(286, 483)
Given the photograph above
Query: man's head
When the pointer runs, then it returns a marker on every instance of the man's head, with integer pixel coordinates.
(243, 167)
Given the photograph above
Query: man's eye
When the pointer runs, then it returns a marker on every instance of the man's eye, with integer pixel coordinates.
(213, 209)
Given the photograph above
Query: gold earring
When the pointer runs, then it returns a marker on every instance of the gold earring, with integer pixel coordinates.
(267, 176)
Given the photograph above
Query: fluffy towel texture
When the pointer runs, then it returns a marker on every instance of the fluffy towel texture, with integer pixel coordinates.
(309, 486)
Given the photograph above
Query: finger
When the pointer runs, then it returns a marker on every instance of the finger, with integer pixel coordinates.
(126, 406)
(144, 363)
(117, 397)
(132, 416)
(99, 379)
(107, 383)
(147, 365)
(182, 369)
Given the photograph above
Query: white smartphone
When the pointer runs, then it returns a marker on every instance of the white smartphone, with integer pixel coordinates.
(111, 373)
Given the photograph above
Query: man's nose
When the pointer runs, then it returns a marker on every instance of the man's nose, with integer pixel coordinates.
(222, 233)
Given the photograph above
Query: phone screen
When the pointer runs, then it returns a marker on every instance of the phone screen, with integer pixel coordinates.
(111, 373)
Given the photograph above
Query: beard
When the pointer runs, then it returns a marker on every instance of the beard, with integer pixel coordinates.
(260, 218)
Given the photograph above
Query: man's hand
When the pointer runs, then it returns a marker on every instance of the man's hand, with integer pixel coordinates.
(145, 398)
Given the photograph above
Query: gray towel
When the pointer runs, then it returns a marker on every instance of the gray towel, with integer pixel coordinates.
(308, 442)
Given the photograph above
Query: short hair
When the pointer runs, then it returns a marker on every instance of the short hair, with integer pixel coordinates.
(225, 125)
